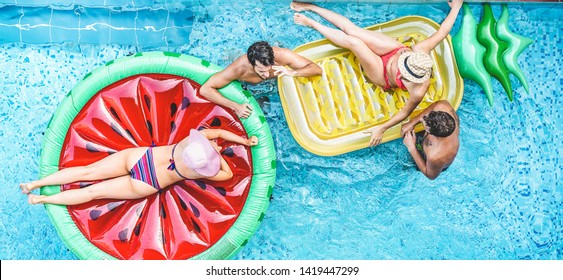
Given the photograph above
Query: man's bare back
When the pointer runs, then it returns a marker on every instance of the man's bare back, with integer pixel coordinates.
(439, 144)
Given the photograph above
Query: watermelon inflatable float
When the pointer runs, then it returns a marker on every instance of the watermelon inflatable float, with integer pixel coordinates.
(152, 99)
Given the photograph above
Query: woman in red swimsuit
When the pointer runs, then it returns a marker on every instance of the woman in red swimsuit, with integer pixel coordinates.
(139, 172)
(386, 61)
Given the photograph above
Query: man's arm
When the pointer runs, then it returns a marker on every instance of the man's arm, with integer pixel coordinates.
(414, 121)
(300, 66)
(429, 169)
(210, 89)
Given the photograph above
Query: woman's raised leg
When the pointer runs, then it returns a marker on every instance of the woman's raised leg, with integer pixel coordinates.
(114, 165)
(371, 62)
(378, 42)
(334, 35)
(340, 21)
(117, 188)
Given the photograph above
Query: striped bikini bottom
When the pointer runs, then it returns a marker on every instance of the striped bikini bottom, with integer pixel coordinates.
(144, 170)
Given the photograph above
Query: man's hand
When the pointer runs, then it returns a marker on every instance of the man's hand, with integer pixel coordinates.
(282, 70)
(376, 135)
(409, 139)
(406, 127)
(243, 110)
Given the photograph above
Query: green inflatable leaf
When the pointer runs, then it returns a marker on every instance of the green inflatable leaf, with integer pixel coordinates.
(494, 63)
(516, 45)
(469, 54)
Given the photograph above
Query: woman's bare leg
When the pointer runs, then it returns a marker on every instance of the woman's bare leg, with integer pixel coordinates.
(334, 35)
(378, 42)
(114, 165)
(117, 188)
(371, 62)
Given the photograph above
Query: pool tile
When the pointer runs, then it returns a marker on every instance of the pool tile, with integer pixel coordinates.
(36, 35)
(65, 19)
(94, 26)
(9, 34)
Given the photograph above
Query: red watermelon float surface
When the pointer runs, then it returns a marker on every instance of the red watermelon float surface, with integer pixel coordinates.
(189, 219)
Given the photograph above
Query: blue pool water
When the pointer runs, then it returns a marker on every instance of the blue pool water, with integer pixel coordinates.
(501, 199)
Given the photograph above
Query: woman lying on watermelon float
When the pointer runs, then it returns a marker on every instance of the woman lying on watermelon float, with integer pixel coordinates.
(139, 172)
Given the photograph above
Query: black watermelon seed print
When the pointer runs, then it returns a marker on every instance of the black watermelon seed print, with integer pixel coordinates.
(91, 148)
(185, 103)
(114, 114)
(113, 205)
(216, 122)
(228, 152)
(201, 184)
(149, 127)
(221, 191)
(95, 214)
(123, 235)
(183, 204)
(148, 102)
(137, 229)
(196, 226)
(194, 210)
(115, 129)
(162, 212)
(173, 109)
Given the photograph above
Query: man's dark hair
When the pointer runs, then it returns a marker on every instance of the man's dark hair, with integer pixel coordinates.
(260, 51)
(440, 123)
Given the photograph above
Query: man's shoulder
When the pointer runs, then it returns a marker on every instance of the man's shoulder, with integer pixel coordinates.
(239, 66)
(282, 53)
(444, 105)
(233, 71)
(280, 49)
(442, 152)
(240, 61)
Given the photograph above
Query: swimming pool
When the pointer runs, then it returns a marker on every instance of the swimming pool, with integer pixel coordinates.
(501, 199)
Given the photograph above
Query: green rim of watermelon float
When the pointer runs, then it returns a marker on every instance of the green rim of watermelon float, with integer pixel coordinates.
(151, 99)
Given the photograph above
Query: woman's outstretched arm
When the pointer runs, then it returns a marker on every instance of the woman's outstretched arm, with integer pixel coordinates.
(225, 173)
(417, 93)
(445, 28)
(229, 136)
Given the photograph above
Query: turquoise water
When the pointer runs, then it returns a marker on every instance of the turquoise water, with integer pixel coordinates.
(501, 199)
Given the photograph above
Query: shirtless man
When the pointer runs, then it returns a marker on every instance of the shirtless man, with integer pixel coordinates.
(435, 148)
(260, 63)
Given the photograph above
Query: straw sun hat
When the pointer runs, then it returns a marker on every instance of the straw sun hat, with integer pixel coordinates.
(415, 66)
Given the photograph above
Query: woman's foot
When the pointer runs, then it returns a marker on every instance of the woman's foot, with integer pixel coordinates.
(34, 199)
(27, 187)
(303, 20)
(299, 6)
